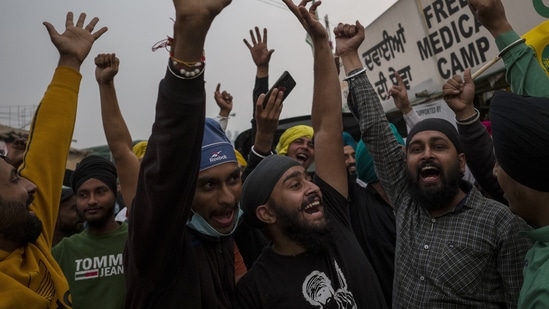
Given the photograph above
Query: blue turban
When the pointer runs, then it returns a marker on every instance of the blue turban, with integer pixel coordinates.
(216, 147)
(365, 163)
(348, 140)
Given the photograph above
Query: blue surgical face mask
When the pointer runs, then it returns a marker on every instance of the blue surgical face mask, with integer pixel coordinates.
(197, 223)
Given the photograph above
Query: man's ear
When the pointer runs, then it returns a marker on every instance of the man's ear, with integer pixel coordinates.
(462, 162)
(265, 214)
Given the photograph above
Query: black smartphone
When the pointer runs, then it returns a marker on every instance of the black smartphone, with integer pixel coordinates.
(285, 83)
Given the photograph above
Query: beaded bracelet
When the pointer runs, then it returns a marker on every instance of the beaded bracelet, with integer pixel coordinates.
(176, 65)
(182, 73)
(196, 67)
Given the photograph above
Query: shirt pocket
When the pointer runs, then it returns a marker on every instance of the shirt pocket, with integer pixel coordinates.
(462, 269)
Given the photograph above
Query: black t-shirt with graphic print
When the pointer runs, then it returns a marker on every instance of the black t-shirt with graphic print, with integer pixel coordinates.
(338, 278)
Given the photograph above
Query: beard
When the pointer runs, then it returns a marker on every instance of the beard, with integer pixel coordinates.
(69, 229)
(435, 197)
(101, 221)
(17, 225)
(314, 238)
(352, 174)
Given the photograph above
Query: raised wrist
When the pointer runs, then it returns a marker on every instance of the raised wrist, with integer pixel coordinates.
(262, 71)
(224, 113)
(71, 62)
(109, 82)
(407, 109)
(466, 114)
(500, 29)
(468, 118)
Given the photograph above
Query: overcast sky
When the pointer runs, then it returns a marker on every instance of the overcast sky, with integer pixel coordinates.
(28, 58)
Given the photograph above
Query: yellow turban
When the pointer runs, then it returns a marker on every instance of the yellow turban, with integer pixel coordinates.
(290, 135)
(240, 158)
(139, 149)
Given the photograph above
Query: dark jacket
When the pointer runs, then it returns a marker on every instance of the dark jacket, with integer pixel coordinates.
(166, 265)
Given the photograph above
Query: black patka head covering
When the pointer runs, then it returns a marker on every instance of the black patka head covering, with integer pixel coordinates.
(520, 130)
(260, 184)
(436, 124)
(66, 190)
(94, 167)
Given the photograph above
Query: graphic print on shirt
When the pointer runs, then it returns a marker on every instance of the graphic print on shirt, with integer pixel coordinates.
(98, 267)
(318, 290)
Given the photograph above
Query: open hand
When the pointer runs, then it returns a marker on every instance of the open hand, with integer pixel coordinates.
(261, 54)
(76, 42)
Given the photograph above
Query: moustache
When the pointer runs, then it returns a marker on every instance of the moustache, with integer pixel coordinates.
(309, 200)
(429, 162)
(30, 199)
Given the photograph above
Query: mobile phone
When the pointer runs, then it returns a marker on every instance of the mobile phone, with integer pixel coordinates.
(284, 83)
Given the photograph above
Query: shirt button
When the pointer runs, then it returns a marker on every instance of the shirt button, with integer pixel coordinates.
(426, 247)
(421, 278)
(433, 220)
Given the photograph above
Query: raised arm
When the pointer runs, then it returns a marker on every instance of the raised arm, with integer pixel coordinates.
(51, 132)
(365, 105)
(524, 72)
(477, 144)
(224, 100)
(169, 170)
(267, 121)
(326, 111)
(117, 133)
(400, 96)
(261, 55)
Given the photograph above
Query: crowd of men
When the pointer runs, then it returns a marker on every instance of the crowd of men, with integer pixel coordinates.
(381, 222)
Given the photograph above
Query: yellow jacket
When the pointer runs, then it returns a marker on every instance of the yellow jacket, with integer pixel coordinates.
(29, 276)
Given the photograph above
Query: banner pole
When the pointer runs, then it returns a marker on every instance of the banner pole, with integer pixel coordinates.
(485, 67)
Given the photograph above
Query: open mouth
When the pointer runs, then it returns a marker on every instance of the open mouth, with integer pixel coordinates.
(429, 173)
(312, 208)
(302, 158)
(225, 218)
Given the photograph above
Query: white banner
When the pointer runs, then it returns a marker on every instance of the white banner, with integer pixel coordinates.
(429, 41)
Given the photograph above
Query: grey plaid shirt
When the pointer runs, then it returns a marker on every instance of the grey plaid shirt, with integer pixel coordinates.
(472, 257)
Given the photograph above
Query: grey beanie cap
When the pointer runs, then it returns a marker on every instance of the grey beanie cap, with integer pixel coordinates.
(260, 183)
